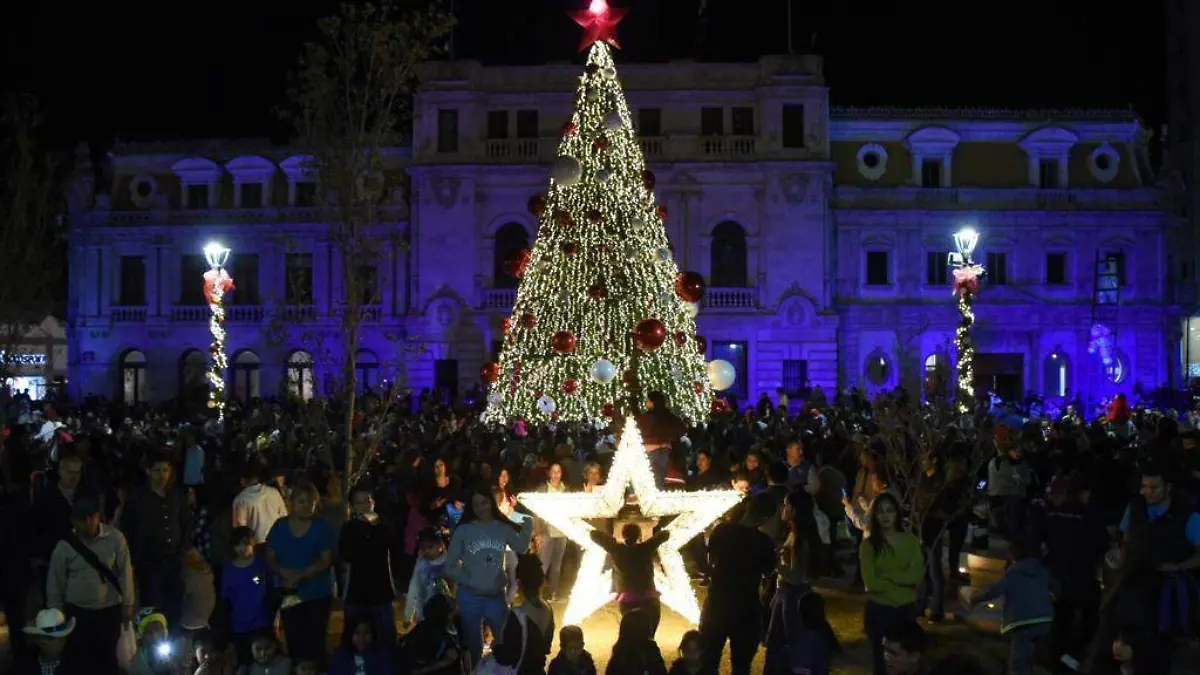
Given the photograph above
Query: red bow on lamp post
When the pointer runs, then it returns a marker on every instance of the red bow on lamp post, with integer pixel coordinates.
(599, 23)
(966, 279)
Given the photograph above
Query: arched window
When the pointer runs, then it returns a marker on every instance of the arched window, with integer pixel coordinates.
(300, 382)
(937, 376)
(728, 265)
(245, 376)
(878, 368)
(133, 377)
(1056, 375)
(510, 239)
(366, 366)
(192, 368)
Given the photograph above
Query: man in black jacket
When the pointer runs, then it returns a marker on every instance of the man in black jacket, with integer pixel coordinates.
(365, 546)
(740, 556)
(634, 563)
(157, 523)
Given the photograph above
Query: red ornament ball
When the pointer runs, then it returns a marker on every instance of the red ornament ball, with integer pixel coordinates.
(689, 286)
(597, 291)
(537, 205)
(649, 180)
(629, 378)
(505, 325)
(592, 69)
(608, 410)
(595, 216)
(662, 211)
(563, 218)
(701, 344)
(570, 386)
(698, 387)
(680, 338)
(602, 143)
(528, 320)
(570, 129)
(569, 248)
(563, 342)
(519, 264)
(490, 372)
(719, 406)
(649, 334)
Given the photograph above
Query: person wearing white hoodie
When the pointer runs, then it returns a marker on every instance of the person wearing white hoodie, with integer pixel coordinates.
(257, 506)
(428, 579)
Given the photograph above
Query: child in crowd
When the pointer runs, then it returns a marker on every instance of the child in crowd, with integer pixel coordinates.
(306, 667)
(691, 659)
(266, 658)
(572, 658)
(211, 658)
(360, 653)
(433, 646)
(155, 654)
(427, 579)
(1028, 592)
(245, 588)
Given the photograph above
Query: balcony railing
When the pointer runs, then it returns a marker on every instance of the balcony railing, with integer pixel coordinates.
(234, 216)
(246, 313)
(652, 147)
(731, 298)
(298, 313)
(854, 197)
(727, 146)
(367, 313)
(500, 298)
(187, 314)
(128, 313)
(513, 149)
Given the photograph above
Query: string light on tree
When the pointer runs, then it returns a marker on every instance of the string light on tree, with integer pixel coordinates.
(966, 286)
(692, 513)
(603, 315)
(217, 283)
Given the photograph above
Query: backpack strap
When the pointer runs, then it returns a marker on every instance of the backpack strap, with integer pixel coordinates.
(89, 556)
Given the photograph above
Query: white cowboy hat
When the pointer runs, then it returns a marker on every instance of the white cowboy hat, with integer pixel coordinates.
(51, 623)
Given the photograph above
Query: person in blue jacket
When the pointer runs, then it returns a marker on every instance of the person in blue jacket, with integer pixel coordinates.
(1028, 592)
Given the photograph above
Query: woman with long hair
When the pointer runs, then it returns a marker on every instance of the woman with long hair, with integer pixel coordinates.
(551, 543)
(475, 560)
(361, 653)
(791, 636)
(893, 565)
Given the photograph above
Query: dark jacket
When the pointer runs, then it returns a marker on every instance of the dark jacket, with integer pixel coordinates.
(1028, 591)
(156, 526)
(15, 534)
(640, 660)
(367, 549)
(680, 668)
(634, 564)
(560, 666)
(1076, 542)
(536, 641)
(51, 519)
(740, 556)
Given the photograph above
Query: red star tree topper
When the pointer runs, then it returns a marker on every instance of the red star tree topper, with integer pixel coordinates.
(599, 23)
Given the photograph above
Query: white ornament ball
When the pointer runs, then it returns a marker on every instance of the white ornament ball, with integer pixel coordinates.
(593, 94)
(692, 309)
(612, 122)
(604, 175)
(610, 71)
(495, 398)
(721, 374)
(547, 405)
(566, 171)
(603, 371)
(664, 253)
(666, 297)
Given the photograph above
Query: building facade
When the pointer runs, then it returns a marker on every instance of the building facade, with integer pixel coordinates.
(1183, 164)
(823, 233)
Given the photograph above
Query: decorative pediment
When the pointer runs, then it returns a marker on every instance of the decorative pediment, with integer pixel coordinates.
(1057, 239)
(297, 167)
(197, 170)
(250, 168)
(797, 308)
(878, 240)
(1048, 141)
(938, 242)
(932, 140)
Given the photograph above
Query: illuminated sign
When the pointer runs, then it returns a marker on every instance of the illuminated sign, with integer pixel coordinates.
(23, 358)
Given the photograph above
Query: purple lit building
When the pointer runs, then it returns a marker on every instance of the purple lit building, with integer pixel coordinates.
(823, 233)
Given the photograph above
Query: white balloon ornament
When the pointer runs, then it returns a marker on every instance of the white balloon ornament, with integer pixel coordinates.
(566, 171)
(721, 374)
(604, 175)
(612, 122)
(546, 405)
(495, 398)
(692, 309)
(603, 371)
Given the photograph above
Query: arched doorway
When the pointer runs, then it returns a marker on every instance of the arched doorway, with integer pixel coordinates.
(727, 266)
(246, 376)
(134, 388)
(510, 240)
(300, 380)
(366, 366)
(937, 376)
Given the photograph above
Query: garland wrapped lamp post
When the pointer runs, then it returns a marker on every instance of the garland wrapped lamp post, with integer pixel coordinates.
(217, 283)
(967, 274)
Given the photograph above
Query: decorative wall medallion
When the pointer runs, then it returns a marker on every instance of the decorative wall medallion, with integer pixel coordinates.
(142, 190)
(793, 186)
(872, 161)
(445, 191)
(1104, 163)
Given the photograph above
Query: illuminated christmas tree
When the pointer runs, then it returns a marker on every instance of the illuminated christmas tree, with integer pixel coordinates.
(603, 316)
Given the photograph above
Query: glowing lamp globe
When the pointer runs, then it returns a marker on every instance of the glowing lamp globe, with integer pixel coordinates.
(216, 255)
(598, 7)
(965, 241)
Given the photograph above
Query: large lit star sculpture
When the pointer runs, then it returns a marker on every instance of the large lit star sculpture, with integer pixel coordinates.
(599, 22)
(569, 512)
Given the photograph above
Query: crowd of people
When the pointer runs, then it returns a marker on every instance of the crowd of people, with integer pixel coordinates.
(157, 541)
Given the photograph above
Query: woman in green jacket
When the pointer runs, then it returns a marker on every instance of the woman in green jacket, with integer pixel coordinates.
(893, 566)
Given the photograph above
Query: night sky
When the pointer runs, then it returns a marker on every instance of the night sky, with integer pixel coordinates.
(142, 71)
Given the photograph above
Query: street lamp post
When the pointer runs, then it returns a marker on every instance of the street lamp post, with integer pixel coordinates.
(217, 283)
(966, 286)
